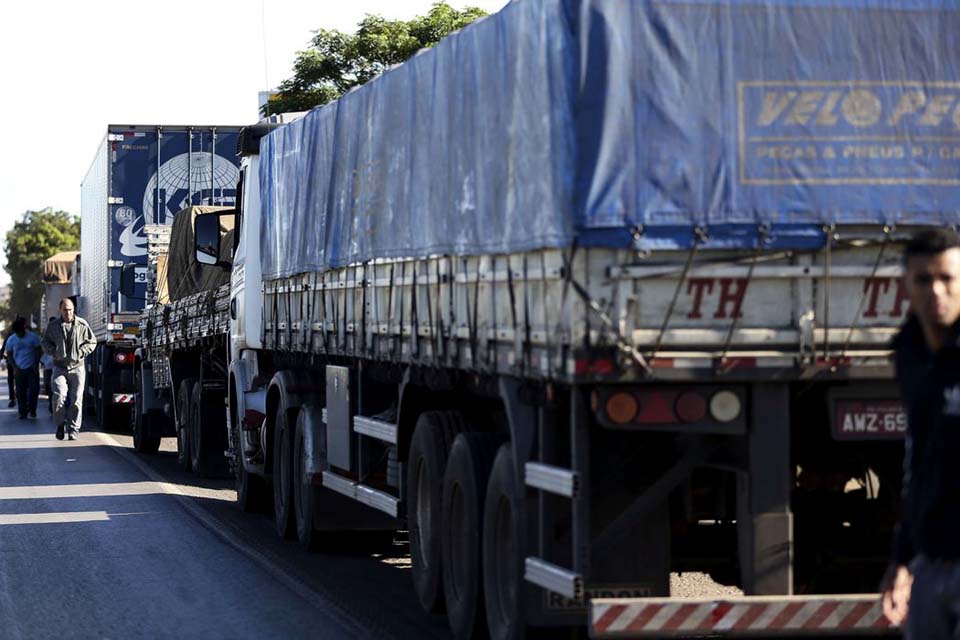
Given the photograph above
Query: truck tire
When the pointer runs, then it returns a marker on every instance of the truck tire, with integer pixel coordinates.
(208, 432)
(184, 400)
(432, 438)
(504, 544)
(464, 491)
(283, 508)
(253, 494)
(144, 438)
(303, 492)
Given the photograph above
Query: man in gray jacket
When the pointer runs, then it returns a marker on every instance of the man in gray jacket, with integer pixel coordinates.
(69, 340)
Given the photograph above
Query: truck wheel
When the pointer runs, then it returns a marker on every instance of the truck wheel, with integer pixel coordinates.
(464, 490)
(432, 438)
(144, 441)
(184, 398)
(253, 494)
(208, 432)
(503, 545)
(283, 475)
(303, 492)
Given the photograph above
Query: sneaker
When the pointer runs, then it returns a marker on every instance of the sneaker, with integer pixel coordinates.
(60, 432)
(71, 437)
(33, 414)
(12, 404)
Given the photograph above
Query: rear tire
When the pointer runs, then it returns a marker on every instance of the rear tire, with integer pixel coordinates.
(208, 432)
(504, 545)
(283, 476)
(432, 438)
(144, 440)
(464, 490)
(253, 494)
(184, 402)
(303, 492)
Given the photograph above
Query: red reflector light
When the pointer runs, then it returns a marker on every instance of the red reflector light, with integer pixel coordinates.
(622, 408)
(121, 357)
(691, 406)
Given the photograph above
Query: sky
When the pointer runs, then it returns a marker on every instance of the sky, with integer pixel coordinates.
(68, 69)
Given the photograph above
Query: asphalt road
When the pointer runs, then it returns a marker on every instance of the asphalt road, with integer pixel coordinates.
(98, 542)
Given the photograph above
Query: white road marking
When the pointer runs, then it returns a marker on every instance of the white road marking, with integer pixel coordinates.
(53, 518)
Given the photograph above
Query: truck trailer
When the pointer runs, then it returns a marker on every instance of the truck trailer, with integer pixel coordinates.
(590, 293)
(141, 175)
(61, 277)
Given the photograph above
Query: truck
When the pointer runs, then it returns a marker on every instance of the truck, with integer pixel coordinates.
(590, 294)
(183, 333)
(140, 175)
(61, 277)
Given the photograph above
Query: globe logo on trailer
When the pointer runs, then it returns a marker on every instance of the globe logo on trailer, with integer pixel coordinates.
(189, 178)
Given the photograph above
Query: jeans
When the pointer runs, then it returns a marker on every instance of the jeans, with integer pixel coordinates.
(11, 375)
(28, 389)
(68, 397)
(934, 612)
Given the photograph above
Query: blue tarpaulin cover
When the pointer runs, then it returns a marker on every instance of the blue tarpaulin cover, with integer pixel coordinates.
(626, 123)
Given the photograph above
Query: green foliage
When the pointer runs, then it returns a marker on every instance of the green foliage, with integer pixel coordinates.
(337, 62)
(34, 238)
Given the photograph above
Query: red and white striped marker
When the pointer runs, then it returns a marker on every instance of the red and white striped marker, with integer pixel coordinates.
(748, 615)
(124, 398)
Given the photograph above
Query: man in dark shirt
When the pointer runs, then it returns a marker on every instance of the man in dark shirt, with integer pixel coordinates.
(923, 588)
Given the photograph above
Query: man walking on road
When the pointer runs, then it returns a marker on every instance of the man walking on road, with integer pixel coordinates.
(923, 583)
(69, 340)
(24, 348)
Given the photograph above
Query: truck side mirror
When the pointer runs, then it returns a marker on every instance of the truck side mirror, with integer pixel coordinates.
(128, 279)
(206, 238)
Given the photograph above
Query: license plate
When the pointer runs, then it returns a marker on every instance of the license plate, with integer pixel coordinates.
(868, 420)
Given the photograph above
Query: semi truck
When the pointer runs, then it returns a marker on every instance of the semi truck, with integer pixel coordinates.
(182, 362)
(592, 293)
(140, 175)
(61, 277)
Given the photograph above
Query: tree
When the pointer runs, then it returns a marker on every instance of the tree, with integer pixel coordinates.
(337, 62)
(34, 238)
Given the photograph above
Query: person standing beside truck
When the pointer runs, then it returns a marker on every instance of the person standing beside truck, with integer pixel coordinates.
(23, 347)
(922, 587)
(69, 339)
(11, 371)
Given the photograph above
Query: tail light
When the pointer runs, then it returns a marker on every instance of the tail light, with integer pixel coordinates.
(663, 406)
(622, 407)
(122, 358)
(725, 406)
(690, 406)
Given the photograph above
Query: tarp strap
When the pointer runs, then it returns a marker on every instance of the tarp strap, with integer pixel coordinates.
(415, 314)
(699, 236)
(828, 261)
(761, 241)
(440, 337)
(323, 311)
(863, 295)
(398, 344)
(513, 303)
(526, 315)
(474, 322)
